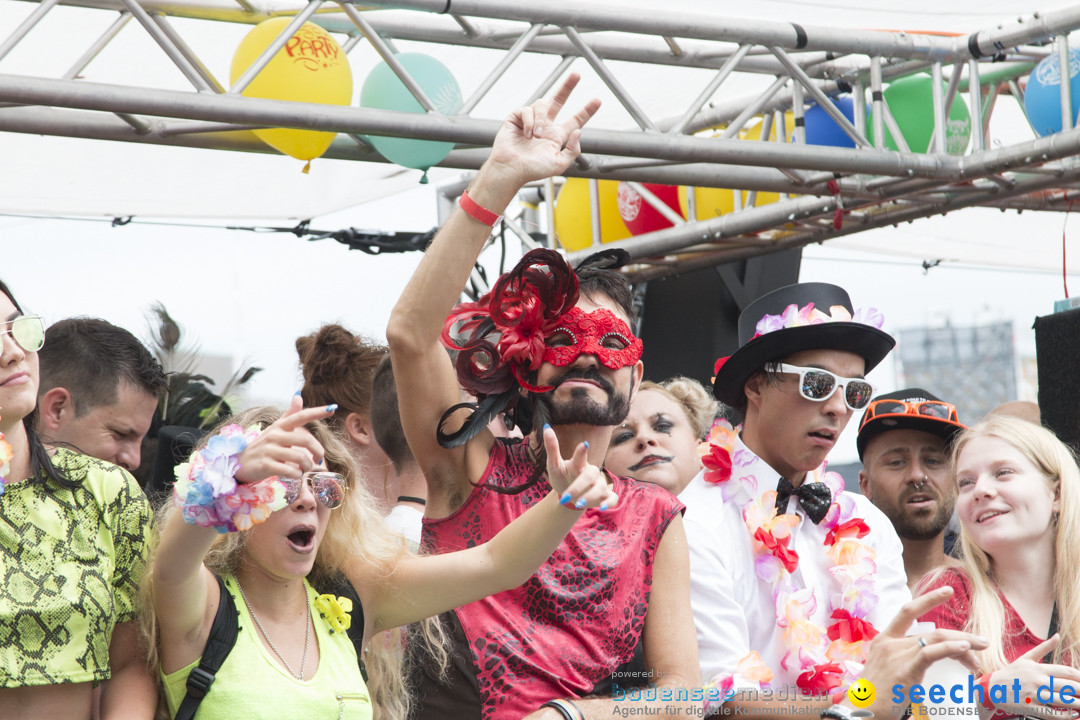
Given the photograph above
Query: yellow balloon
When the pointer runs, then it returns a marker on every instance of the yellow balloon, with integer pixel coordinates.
(712, 202)
(708, 202)
(573, 217)
(311, 67)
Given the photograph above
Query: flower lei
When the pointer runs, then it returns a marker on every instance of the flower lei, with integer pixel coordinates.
(207, 490)
(336, 611)
(825, 658)
(795, 316)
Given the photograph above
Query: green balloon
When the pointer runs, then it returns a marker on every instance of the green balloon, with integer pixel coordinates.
(383, 90)
(911, 101)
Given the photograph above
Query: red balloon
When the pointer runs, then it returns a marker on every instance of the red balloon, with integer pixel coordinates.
(641, 217)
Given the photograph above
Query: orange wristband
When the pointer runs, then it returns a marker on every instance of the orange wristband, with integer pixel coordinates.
(477, 211)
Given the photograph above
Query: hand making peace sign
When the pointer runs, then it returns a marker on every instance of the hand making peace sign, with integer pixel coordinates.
(532, 145)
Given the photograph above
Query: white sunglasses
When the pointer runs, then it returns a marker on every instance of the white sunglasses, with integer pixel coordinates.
(819, 385)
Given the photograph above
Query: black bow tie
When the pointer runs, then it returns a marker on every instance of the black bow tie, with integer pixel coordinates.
(814, 497)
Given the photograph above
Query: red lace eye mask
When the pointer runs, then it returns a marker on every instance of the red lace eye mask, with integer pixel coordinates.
(600, 333)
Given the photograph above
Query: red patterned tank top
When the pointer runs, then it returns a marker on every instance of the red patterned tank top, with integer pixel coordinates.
(573, 622)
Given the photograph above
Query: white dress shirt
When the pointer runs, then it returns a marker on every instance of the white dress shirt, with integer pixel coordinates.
(733, 607)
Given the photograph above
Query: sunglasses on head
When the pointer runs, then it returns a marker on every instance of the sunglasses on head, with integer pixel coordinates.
(926, 408)
(28, 332)
(328, 488)
(819, 385)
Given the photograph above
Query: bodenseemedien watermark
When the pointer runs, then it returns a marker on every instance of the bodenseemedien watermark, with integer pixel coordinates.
(626, 697)
(708, 699)
(936, 700)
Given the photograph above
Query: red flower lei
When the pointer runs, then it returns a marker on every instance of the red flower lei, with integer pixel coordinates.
(826, 657)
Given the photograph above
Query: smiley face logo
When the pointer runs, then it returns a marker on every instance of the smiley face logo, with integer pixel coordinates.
(862, 693)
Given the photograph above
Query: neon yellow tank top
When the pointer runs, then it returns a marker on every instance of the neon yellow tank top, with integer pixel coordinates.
(251, 684)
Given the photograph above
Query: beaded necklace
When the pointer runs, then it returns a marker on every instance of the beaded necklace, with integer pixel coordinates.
(307, 633)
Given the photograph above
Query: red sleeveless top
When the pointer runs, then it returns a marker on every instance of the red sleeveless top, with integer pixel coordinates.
(573, 622)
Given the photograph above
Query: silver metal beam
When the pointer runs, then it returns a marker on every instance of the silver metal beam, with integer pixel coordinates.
(26, 26)
(162, 39)
(92, 52)
(695, 107)
(500, 69)
(186, 52)
(736, 30)
(739, 248)
(388, 54)
(276, 113)
(271, 50)
(820, 98)
(610, 80)
(875, 186)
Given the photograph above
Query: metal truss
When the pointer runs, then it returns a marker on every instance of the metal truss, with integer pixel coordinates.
(825, 192)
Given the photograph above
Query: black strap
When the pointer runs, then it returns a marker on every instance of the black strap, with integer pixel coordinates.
(410, 498)
(219, 644)
(1054, 622)
(800, 36)
(973, 45)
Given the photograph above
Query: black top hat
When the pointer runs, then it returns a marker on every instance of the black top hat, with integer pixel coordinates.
(790, 319)
(944, 428)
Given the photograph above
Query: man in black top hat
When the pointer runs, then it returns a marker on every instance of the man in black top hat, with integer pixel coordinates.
(790, 576)
(903, 444)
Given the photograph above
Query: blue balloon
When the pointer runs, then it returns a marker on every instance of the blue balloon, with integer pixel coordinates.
(821, 129)
(1042, 99)
(385, 91)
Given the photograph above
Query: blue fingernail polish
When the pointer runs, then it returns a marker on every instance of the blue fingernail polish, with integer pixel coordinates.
(299, 392)
(331, 408)
(580, 504)
(604, 506)
(546, 426)
(586, 444)
(565, 498)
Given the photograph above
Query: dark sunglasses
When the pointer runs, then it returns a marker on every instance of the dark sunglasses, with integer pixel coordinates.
(926, 408)
(328, 488)
(819, 385)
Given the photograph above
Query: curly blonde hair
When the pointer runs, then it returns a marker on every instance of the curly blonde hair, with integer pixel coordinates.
(696, 401)
(356, 537)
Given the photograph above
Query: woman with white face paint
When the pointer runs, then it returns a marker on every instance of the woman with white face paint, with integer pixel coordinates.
(658, 441)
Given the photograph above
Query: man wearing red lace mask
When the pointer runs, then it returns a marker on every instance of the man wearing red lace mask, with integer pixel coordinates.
(552, 347)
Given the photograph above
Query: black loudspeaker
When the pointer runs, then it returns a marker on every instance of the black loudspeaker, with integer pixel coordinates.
(1057, 347)
(691, 320)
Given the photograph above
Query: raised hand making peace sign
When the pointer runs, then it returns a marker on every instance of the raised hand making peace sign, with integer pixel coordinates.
(532, 144)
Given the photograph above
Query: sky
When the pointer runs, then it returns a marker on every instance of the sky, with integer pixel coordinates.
(248, 295)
